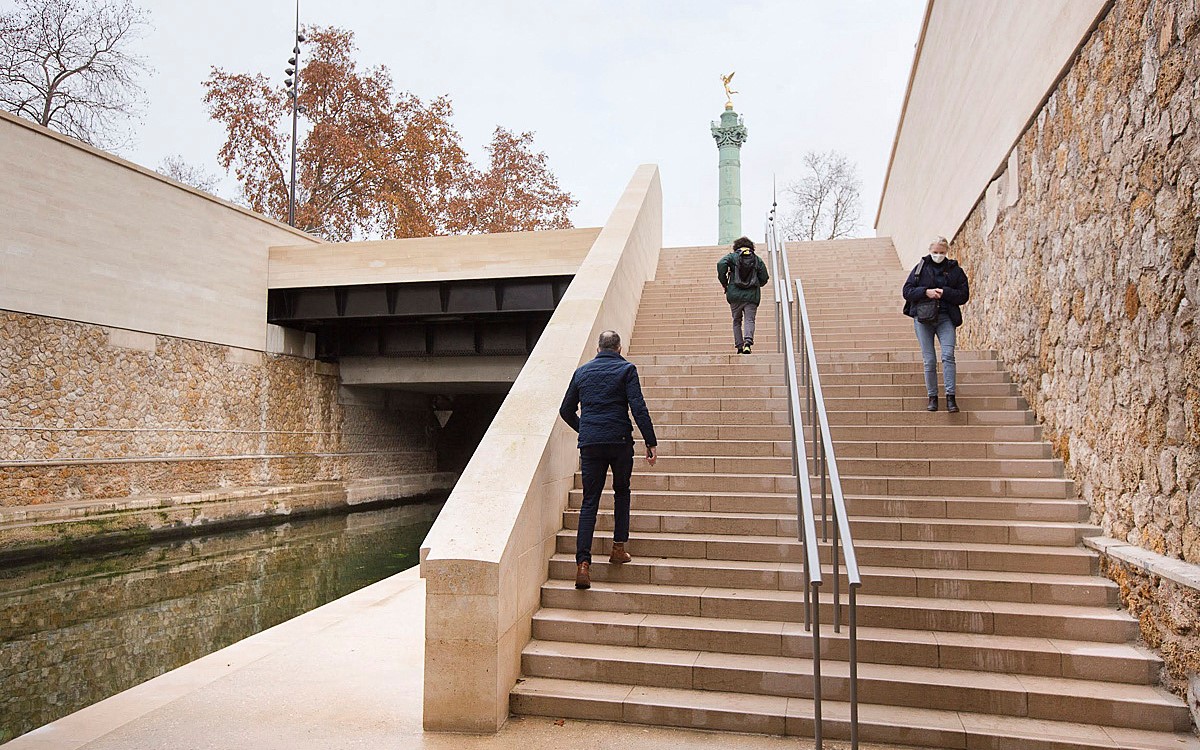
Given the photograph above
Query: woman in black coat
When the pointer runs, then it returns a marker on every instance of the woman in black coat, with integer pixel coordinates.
(933, 292)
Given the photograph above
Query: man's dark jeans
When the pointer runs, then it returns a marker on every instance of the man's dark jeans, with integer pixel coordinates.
(594, 462)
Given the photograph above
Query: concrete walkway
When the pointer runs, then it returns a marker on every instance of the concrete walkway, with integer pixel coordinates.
(346, 675)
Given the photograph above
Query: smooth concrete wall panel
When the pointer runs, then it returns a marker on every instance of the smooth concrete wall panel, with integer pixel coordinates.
(85, 236)
(486, 557)
(982, 68)
(556, 252)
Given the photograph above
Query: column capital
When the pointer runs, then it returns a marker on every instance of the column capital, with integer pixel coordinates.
(730, 131)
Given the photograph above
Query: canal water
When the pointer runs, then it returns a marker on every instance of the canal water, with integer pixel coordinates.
(74, 631)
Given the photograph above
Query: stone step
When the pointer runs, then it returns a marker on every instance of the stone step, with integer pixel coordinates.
(925, 418)
(690, 360)
(930, 486)
(941, 450)
(893, 390)
(1026, 509)
(1116, 662)
(716, 321)
(685, 412)
(906, 383)
(721, 402)
(996, 618)
(961, 355)
(683, 416)
(854, 432)
(1010, 558)
(826, 364)
(720, 390)
(872, 466)
(724, 464)
(1114, 704)
(740, 712)
(916, 380)
(845, 449)
(851, 329)
(915, 402)
(948, 466)
(1043, 588)
(753, 523)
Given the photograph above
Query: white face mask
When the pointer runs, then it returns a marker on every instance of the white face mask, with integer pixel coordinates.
(937, 257)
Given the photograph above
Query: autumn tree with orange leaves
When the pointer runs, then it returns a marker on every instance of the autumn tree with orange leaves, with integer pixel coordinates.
(375, 163)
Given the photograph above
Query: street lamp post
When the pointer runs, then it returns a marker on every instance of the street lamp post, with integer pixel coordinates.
(292, 82)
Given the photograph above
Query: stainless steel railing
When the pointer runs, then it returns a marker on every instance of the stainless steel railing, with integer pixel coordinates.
(792, 312)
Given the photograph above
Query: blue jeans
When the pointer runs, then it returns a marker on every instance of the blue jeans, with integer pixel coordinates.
(594, 461)
(944, 330)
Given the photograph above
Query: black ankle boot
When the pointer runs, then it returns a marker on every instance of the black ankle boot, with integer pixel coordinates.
(932, 404)
(951, 404)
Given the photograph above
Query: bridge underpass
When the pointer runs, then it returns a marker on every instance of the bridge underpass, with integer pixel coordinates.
(449, 321)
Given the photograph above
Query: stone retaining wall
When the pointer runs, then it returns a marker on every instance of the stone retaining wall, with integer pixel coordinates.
(1169, 616)
(89, 412)
(1082, 260)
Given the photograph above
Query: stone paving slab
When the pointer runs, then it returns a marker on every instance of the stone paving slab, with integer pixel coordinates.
(345, 675)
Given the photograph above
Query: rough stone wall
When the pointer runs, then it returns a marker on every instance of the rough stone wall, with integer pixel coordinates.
(1169, 615)
(86, 412)
(1088, 285)
(1085, 279)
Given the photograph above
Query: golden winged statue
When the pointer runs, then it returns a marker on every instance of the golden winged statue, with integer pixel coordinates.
(728, 91)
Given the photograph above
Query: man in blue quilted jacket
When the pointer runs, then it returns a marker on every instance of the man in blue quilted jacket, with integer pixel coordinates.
(605, 390)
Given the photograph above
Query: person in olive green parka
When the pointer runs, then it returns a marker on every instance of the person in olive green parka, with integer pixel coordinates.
(742, 274)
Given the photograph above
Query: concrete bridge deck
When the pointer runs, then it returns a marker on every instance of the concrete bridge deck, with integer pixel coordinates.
(345, 675)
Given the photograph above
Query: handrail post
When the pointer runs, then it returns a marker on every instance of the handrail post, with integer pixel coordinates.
(837, 601)
(816, 639)
(853, 670)
(824, 472)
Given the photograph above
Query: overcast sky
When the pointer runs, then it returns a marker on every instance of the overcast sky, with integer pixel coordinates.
(605, 85)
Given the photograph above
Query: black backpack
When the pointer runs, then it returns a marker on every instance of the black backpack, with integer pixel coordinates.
(745, 269)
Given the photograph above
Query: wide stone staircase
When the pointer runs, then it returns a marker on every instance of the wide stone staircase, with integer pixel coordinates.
(982, 621)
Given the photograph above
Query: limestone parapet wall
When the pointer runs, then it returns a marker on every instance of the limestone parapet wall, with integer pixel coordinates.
(87, 236)
(547, 252)
(1082, 260)
(980, 70)
(90, 412)
(488, 554)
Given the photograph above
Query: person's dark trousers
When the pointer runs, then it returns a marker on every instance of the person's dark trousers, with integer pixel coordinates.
(740, 309)
(594, 461)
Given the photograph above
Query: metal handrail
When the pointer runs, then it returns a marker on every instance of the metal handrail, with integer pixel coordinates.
(824, 465)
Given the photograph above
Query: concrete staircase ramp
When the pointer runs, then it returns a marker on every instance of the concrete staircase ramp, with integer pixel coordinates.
(982, 621)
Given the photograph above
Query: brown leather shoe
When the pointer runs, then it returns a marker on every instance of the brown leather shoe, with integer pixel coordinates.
(619, 555)
(583, 578)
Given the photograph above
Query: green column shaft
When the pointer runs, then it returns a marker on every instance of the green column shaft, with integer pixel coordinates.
(729, 134)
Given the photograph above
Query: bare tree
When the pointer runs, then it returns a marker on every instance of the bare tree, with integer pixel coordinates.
(178, 169)
(825, 203)
(66, 64)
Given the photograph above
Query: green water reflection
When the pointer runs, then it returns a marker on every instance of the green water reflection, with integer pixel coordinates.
(74, 631)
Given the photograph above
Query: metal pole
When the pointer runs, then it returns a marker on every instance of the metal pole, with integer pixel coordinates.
(853, 671)
(824, 491)
(837, 601)
(816, 636)
(295, 107)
